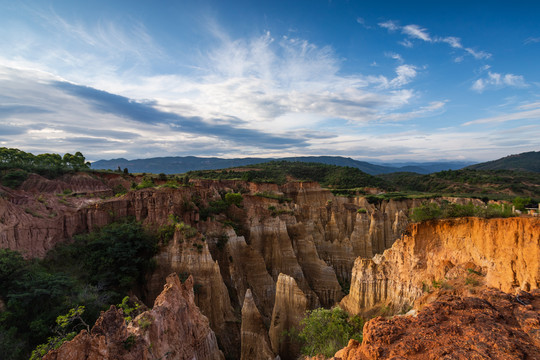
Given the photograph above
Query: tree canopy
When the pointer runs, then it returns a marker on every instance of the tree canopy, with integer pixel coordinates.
(15, 165)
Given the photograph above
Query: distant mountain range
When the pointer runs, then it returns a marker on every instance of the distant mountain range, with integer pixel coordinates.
(183, 164)
(529, 161)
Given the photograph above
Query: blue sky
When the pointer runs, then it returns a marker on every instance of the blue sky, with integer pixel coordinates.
(378, 81)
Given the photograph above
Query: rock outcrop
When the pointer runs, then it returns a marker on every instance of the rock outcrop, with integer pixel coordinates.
(173, 329)
(255, 340)
(190, 255)
(248, 272)
(505, 251)
(289, 309)
(488, 325)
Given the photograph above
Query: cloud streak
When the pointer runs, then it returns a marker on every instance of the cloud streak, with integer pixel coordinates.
(532, 112)
(416, 32)
(496, 80)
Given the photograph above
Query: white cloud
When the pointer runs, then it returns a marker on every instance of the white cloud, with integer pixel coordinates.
(362, 22)
(407, 43)
(405, 74)
(390, 25)
(413, 31)
(452, 41)
(435, 107)
(478, 54)
(394, 56)
(532, 112)
(417, 32)
(530, 106)
(531, 39)
(487, 143)
(496, 80)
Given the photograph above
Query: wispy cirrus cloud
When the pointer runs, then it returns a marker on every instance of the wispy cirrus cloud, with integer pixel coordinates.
(433, 108)
(417, 32)
(531, 40)
(496, 80)
(395, 56)
(523, 112)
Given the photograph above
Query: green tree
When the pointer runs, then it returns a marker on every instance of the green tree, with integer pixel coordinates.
(233, 198)
(65, 329)
(325, 331)
(117, 256)
(426, 212)
(520, 203)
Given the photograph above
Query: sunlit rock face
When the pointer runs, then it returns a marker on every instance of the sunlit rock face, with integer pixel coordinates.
(505, 251)
(459, 326)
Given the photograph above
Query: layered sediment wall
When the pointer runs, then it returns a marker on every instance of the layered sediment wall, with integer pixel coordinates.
(505, 251)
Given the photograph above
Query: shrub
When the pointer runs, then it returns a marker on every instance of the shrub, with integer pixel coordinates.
(129, 342)
(119, 189)
(222, 241)
(130, 308)
(116, 257)
(327, 331)
(233, 199)
(426, 212)
(14, 179)
(147, 182)
(431, 211)
(520, 203)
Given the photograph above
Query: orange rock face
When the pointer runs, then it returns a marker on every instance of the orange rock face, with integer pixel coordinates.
(505, 251)
(489, 325)
(173, 329)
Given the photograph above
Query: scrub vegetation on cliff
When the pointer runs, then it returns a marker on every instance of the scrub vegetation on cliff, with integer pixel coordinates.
(325, 331)
(430, 211)
(487, 184)
(278, 172)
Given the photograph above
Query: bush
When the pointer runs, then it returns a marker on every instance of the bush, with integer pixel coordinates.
(233, 199)
(147, 182)
(119, 189)
(14, 179)
(520, 203)
(431, 211)
(115, 257)
(426, 212)
(34, 297)
(327, 331)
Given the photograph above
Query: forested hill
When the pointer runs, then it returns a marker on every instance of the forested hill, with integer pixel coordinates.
(529, 161)
(183, 164)
(279, 172)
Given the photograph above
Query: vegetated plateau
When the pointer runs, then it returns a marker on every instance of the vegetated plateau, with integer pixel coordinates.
(271, 249)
